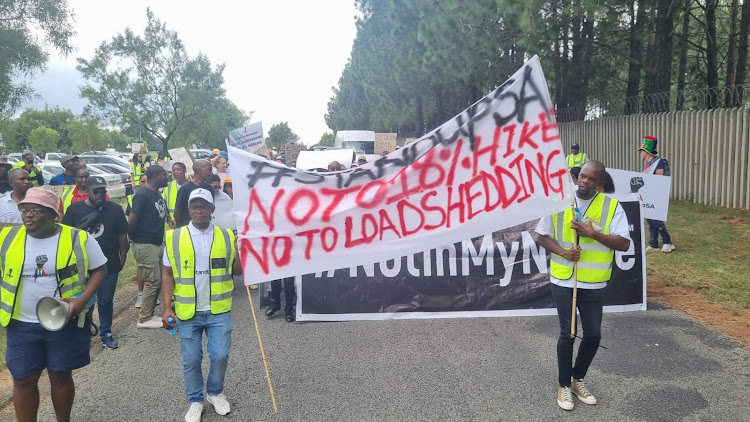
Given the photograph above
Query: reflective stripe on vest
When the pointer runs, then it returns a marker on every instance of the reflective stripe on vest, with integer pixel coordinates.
(67, 197)
(595, 264)
(71, 267)
(577, 160)
(181, 255)
(137, 172)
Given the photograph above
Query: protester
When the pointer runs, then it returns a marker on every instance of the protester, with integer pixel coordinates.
(220, 168)
(147, 162)
(179, 172)
(138, 279)
(334, 166)
(602, 230)
(361, 160)
(27, 163)
(201, 172)
(146, 228)
(608, 185)
(69, 163)
(574, 172)
(44, 259)
(215, 153)
(655, 165)
(76, 193)
(19, 181)
(228, 187)
(289, 298)
(5, 167)
(576, 158)
(136, 169)
(199, 261)
(105, 221)
(163, 157)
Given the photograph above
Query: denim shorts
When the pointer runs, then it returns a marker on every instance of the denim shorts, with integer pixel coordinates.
(31, 348)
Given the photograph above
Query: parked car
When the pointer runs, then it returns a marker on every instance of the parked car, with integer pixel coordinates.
(200, 153)
(17, 156)
(124, 172)
(53, 156)
(115, 187)
(104, 159)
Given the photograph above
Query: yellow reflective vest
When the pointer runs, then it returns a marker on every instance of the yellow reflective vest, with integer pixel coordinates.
(170, 196)
(67, 197)
(182, 259)
(577, 160)
(137, 171)
(595, 265)
(72, 266)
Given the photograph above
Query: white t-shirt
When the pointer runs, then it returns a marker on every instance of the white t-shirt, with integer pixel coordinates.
(9, 209)
(202, 242)
(223, 215)
(38, 278)
(619, 226)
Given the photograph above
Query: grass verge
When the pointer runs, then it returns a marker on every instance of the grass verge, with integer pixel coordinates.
(710, 257)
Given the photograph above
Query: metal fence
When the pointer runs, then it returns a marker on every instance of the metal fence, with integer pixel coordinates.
(707, 150)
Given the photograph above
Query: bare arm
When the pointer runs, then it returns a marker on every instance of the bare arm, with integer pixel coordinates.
(167, 288)
(237, 264)
(124, 247)
(96, 278)
(611, 241)
(573, 254)
(132, 221)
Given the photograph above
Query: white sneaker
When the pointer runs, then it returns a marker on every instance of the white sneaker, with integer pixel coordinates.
(667, 248)
(194, 413)
(138, 299)
(649, 249)
(220, 403)
(154, 322)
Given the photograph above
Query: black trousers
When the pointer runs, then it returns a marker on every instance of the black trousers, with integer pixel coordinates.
(589, 304)
(289, 292)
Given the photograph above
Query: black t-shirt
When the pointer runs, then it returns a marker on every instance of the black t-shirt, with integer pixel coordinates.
(181, 202)
(151, 210)
(111, 225)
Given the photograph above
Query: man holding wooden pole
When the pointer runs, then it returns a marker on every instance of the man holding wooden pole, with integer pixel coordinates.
(582, 241)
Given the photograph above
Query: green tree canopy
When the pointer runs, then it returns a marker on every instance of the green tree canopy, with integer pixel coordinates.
(86, 136)
(26, 28)
(280, 134)
(150, 83)
(16, 132)
(43, 140)
(327, 140)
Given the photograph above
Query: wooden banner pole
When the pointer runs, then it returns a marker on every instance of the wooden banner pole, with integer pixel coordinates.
(262, 352)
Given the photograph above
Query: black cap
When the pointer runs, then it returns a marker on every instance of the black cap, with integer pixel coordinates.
(95, 182)
(574, 146)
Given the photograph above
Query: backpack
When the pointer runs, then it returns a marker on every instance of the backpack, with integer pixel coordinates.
(667, 171)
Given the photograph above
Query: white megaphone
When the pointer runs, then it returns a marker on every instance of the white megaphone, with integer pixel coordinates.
(52, 313)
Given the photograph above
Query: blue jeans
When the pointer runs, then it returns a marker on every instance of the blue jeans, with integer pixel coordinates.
(656, 228)
(589, 304)
(104, 299)
(219, 333)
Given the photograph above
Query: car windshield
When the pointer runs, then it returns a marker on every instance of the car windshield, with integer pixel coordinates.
(360, 147)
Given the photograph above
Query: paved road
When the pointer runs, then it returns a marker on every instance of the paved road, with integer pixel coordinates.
(659, 366)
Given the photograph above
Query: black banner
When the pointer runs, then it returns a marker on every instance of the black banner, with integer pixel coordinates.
(505, 270)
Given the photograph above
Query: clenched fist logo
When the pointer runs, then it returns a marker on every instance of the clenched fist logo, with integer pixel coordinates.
(636, 183)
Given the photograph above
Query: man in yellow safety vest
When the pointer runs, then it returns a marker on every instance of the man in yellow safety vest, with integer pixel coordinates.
(601, 227)
(576, 158)
(179, 173)
(44, 259)
(199, 261)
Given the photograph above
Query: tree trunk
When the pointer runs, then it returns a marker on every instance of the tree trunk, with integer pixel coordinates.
(712, 62)
(682, 72)
(663, 55)
(636, 52)
(728, 91)
(649, 66)
(739, 78)
(419, 121)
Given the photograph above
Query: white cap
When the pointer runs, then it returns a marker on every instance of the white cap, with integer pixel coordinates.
(202, 194)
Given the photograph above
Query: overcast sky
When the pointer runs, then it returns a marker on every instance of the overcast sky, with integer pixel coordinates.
(282, 57)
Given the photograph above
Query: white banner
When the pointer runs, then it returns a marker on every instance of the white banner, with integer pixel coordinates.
(248, 138)
(652, 190)
(498, 164)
